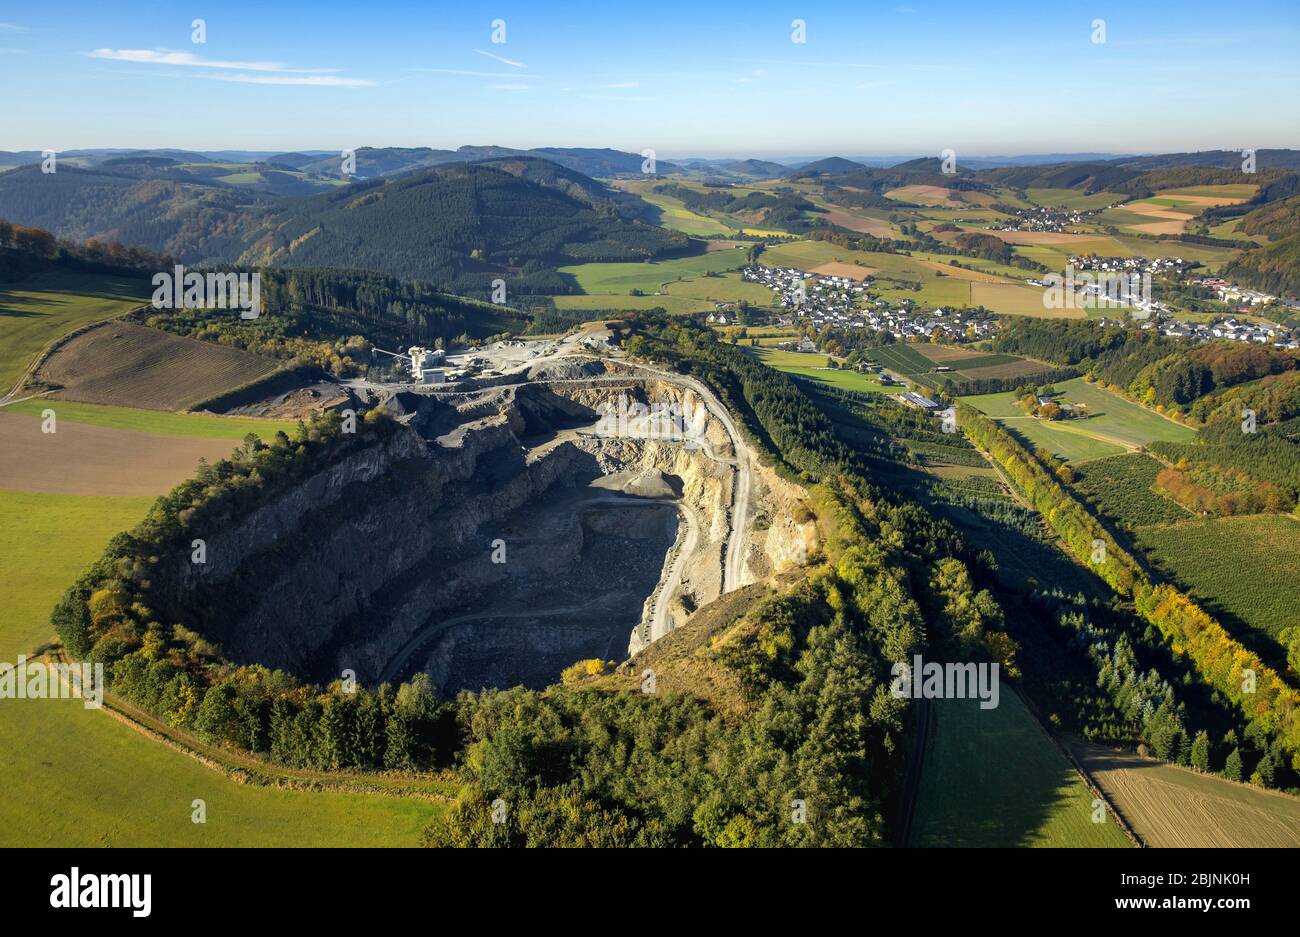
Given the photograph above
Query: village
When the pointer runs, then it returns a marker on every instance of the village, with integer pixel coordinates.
(841, 302)
(1043, 219)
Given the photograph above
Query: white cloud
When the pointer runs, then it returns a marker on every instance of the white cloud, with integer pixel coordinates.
(316, 81)
(12, 28)
(165, 57)
(269, 73)
(504, 61)
(508, 87)
(472, 74)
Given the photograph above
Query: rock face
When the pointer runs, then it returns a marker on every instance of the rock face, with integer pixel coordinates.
(492, 541)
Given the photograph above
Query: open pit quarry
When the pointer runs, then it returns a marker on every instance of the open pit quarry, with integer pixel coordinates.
(577, 508)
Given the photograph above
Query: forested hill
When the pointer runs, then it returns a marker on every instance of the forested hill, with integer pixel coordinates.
(190, 221)
(457, 226)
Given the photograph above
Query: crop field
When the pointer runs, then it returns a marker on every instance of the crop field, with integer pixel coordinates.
(621, 278)
(902, 359)
(917, 361)
(1171, 806)
(1244, 565)
(1113, 426)
(927, 195)
(88, 459)
(43, 307)
(1014, 299)
(614, 302)
(1122, 488)
(78, 777)
(675, 215)
(813, 366)
(121, 363)
(205, 425)
(727, 288)
(1073, 199)
(992, 778)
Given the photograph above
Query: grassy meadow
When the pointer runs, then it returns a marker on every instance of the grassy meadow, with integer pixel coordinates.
(39, 309)
(992, 778)
(78, 777)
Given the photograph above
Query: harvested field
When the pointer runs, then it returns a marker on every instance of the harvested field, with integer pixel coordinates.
(852, 271)
(925, 195)
(961, 273)
(863, 224)
(1040, 237)
(1170, 806)
(45, 306)
(124, 364)
(1160, 227)
(84, 459)
(1019, 300)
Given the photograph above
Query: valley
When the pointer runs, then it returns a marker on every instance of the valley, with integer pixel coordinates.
(691, 463)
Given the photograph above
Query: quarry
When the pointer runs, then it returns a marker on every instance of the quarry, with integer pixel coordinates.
(570, 506)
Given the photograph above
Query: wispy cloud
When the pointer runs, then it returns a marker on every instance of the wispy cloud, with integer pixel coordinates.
(508, 87)
(12, 28)
(316, 81)
(502, 59)
(619, 84)
(868, 85)
(265, 73)
(473, 74)
(166, 57)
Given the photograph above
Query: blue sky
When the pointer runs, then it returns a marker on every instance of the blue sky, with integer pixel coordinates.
(712, 78)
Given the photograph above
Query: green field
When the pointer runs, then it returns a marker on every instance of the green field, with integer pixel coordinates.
(902, 359)
(37, 310)
(204, 425)
(675, 215)
(613, 302)
(727, 288)
(1244, 565)
(77, 777)
(1113, 426)
(992, 778)
(1073, 199)
(621, 278)
(813, 366)
(1122, 488)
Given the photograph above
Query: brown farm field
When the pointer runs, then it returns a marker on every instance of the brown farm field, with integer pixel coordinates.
(925, 195)
(1019, 300)
(836, 269)
(85, 459)
(1171, 806)
(124, 364)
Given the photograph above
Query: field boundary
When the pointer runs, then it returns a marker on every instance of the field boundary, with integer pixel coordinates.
(55, 344)
(255, 773)
(1087, 778)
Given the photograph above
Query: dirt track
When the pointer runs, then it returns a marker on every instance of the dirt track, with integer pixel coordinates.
(81, 459)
